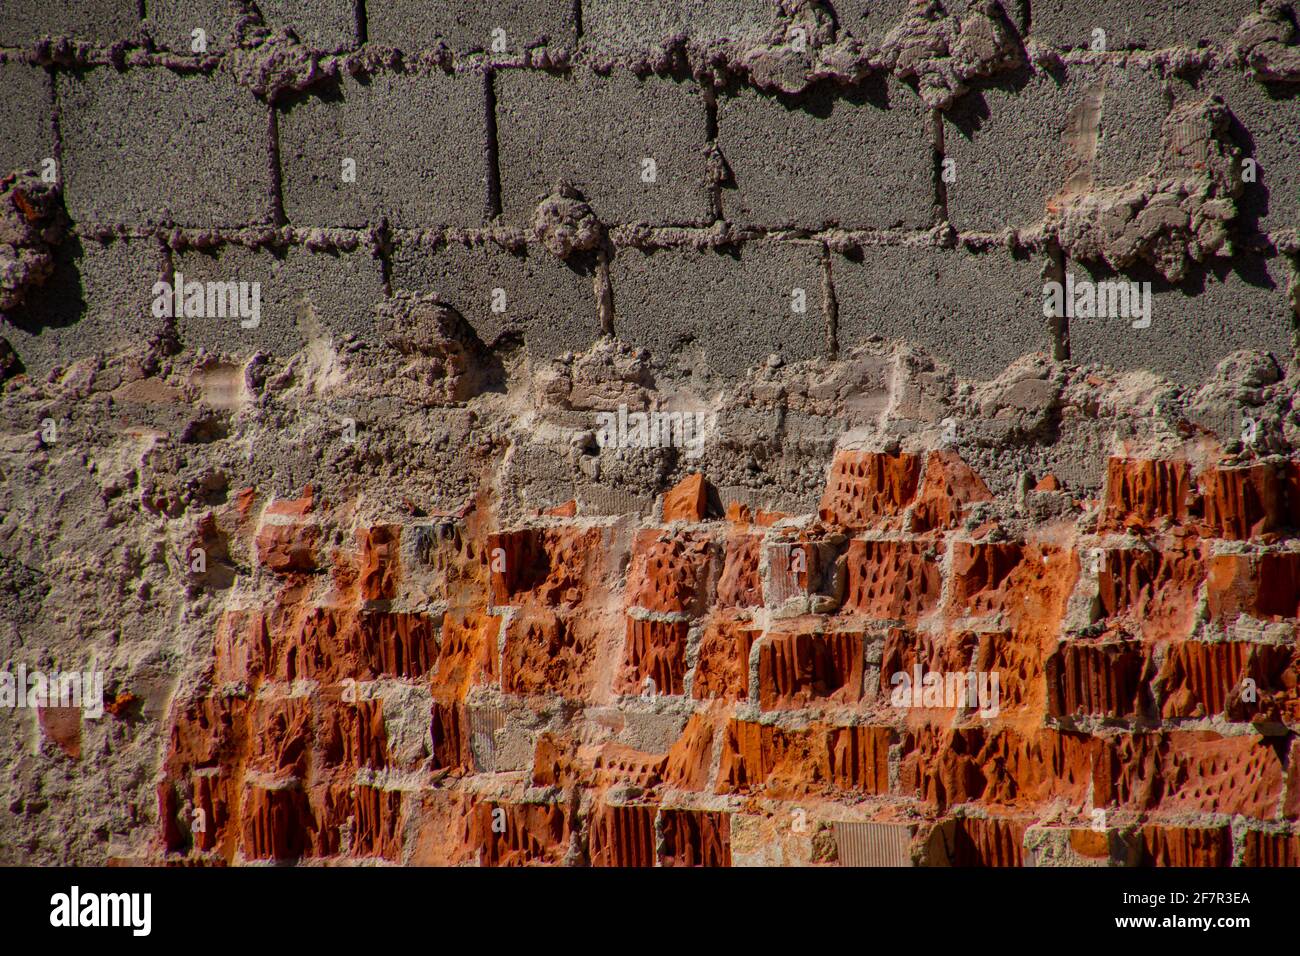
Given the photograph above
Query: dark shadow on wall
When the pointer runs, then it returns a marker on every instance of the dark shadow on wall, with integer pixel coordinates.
(58, 302)
(1253, 202)
(971, 110)
(1250, 268)
(822, 97)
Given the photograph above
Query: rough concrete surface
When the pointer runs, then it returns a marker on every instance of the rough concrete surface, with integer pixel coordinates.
(26, 117)
(602, 134)
(971, 310)
(1027, 138)
(734, 308)
(471, 28)
(524, 293)
(416, 145)
(1237, 305)
(172, 24)
(23, 22)
(328, 25)
(154, 147)
(858, 161)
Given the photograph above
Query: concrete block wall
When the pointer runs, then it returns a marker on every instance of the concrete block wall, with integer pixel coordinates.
(678, 133)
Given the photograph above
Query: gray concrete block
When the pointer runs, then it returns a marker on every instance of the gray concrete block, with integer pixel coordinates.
(1205, 22)
(551, 304)
(418, 142)
(326, 25)
(26, 116)
(1193, 326)
(329, 292)
(468, 27)
(1014, 141)
(976, 311)
(869, 20)
(305, 297)
(1267, 130)
(98, 300)
(598, 132)
(152, 146)
(858, 159)
(872, 20)
(630, 27)
(733, 308)
(1065, 25)
(172, 23)
(102, 21)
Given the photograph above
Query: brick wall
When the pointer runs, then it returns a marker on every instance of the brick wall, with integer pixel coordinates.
(482, 638)
(395, 696)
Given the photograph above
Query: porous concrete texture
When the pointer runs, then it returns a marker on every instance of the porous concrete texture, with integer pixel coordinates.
(525, 293)
(23, 22)
(612, 507)
(101, 298)
(417, 146)
(602, 133)
(731, 307)
(172, 24)
(469, 28)
(1267, 128)
(1237, 305)
(1029, 138)
(309, 300)
(871, 20)
(327, 25)
(149, 146)
(969, 309)
(630, 28)
(859, 160)
(1065, 25)
(26, 115)
(1204, 23)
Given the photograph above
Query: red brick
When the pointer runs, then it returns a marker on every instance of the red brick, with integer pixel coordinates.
(1186, 846)
(980, 574)
(670, 572)
(892, 580)
(1242, 503)
(1144, 493)
(623, 836)
(533, 833)
(1270, 849)
(1156, 590)
(796, 669)
(740, 584)
(723, 667)
(655, 649)
(688, 500)
(866, 487)
(793, 763)
(1264, 586)
(1104, 679)
(378, 548)
(696, 838)
(949, 488)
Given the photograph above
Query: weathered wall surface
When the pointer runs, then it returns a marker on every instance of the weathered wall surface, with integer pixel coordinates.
(485, 633)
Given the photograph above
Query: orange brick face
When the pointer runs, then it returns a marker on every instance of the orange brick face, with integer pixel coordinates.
(1146, 493)
(595, 679)
(892, 580)
(866, 488)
